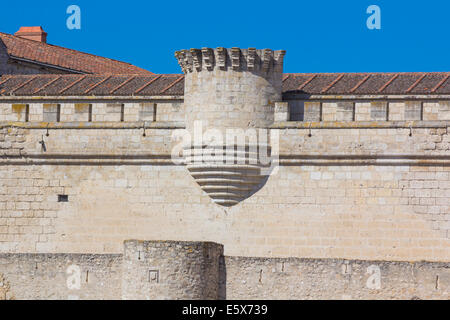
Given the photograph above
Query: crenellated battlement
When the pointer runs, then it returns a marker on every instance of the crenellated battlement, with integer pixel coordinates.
(236, 59)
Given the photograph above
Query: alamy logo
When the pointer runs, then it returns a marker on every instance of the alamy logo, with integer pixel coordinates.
(74, 20)
(73, 281)
(234, 146)
(374, 20)
(374, 280)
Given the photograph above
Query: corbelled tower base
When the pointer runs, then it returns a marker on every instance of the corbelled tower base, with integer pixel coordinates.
(230, 95)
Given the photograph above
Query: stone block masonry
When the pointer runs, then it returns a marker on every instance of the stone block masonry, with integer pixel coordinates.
(358, 206)
(242, 84)
(171, 270)
(198, 270)
(353, 193)
(60, 276)
(261, 278)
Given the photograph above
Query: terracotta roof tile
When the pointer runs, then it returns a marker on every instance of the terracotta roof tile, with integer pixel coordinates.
(173, 84)
(126, 80)
(176, 87)
(348, 84)
(416, 82)
(59, 57)
(82, 87)
(319, 83)
(428, 83)
(158, 86)
(295, 80)
(45, 83)
(443, 86)
(402, 83)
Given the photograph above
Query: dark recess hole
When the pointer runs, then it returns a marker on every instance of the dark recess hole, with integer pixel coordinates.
(63, 198)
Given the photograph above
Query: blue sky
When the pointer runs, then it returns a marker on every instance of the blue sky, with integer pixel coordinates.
(319, 35)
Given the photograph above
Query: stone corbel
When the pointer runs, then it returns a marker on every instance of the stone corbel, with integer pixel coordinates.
(180, 55)
(251, 57)
(208, 58)
(235, 58)
(197, 59)
(222, 58)
(267, 59)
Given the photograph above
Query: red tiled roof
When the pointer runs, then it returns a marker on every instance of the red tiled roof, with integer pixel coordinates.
(367, 83)
(91, 85)
(433, 83)
(59, 57)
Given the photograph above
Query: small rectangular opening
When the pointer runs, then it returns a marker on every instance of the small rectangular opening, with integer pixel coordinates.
(122, 112)
(321, 111)
(90, 113)
(353, 111)
(421, 111)
(63, 198)
(153, 276)
(388, 111)
(27, 112)
(58, 112)
(296, 110)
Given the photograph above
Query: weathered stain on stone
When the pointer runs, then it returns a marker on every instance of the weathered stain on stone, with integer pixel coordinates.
(198, 270)
(5, 289)
(361, 178)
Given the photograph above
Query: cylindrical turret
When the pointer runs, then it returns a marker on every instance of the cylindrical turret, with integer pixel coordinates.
(160, 270)
(231, 88)
(228, 94)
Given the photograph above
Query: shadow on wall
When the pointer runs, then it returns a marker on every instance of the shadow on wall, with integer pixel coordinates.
(5, 289)
(222, 279)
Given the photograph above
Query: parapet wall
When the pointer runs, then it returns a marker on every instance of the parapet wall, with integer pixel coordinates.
(175, 109)
(262, 278)
(60, 276)
(358, 110)
(343, 190)
(53, 111)
(198, 270)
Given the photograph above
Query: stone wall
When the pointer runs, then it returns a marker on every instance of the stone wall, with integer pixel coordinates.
(375, 110)
(361, 178)
(171, 270)
(197, 270)
(174, 110)
(61, 276)
(354, 193)
(231, 88)
(368, 189)
(262, 278)
(93, 111)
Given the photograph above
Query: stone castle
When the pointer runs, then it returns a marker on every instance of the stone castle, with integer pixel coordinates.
(332, 186)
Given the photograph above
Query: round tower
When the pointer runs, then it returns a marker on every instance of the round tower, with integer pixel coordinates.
(231, 88)
(229, 96)
(168, 270)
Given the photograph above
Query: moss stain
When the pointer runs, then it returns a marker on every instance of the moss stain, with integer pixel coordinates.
(81, 107)
(19, 109)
